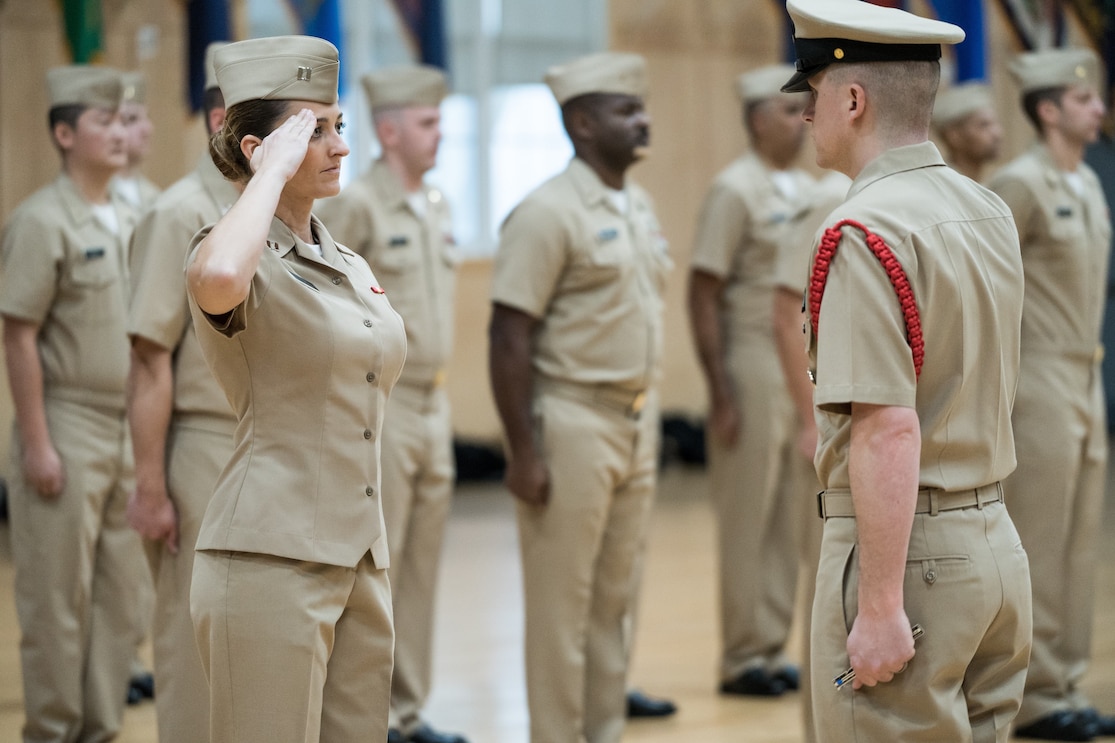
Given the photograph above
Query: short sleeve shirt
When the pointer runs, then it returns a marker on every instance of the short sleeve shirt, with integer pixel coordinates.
(745, 222)
(307, 361)
(159, 310)
(1066, 245)
(591, 275)
(62, 269)
(957, 244)
(413, 255)
(792, 267)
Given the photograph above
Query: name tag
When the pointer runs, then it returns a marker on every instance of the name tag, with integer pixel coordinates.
(397, 241)
(778, 218)
(1064, 211)
(607, 235)
(92, 254)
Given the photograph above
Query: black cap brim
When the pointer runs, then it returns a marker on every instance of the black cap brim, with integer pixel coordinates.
(799, 83)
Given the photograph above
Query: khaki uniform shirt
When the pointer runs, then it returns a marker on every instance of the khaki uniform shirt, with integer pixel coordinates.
(792, 267)
(307, 362)
(958, 245)
(745, 222)
(159, 309)
(138, 191)
(593, 277)
(62, 269)
(413, 255)
(1065, 246)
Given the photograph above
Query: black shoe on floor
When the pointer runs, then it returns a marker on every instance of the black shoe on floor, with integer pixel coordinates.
(140, 686)
(426, 734)
(395, 736)
(1103, 726)
(755, 682)
(1063, 725)
(641, 705)
(790, 676)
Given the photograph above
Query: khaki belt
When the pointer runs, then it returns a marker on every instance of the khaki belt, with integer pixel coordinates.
(628, 402)
(425, 385)
(837, 502)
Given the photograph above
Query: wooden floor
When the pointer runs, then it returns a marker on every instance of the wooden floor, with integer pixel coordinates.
(479, 678)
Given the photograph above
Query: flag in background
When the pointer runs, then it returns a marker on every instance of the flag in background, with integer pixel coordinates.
(321, 18)
(425, 21)
(84, 24)
(971, 54)
(207, 21)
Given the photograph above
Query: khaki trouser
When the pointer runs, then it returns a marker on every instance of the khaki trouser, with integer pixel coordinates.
(295, 652)
(417, 485)
(1055, 498)
(812, 528)
(195, 458)
(580, 554)
(968, 586)
(754, 486)
(78, 567)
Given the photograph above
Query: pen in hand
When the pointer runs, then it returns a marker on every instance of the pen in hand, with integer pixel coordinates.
(850, 674)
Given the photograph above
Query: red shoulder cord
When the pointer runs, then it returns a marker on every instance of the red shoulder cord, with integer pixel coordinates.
(830, 240)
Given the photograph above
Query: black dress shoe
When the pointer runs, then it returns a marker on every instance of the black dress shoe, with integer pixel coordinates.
(426, 734)
(790, 676)
(1103, 726)
(1062, 725)
(395, 736)
(140, 686)
(755, 682)
(641, 705)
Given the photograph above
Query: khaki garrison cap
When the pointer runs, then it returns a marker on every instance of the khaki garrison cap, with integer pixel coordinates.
(211, 63)
(607, 72)
(1055, 68)
(81, 85)
(763, 83)
(954, 103)
(278, 68)
(851, 31)
(135, 86)
(405, 85)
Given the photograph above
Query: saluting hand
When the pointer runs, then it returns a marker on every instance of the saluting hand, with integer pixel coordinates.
(283, 150)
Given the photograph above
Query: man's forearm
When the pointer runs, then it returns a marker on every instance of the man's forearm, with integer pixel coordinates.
(509, 366)
(788, 338)
(25, 378)
(704, 320)
(150, 402)
(883, 466)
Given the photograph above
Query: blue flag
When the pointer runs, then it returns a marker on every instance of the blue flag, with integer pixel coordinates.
(207, 21)
(322, 18)
(426, 23)
(971, 54)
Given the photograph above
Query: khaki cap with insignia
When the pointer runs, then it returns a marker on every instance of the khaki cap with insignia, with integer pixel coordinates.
(405, 85)
(211, 64)
(850, 31)
(957, 102)
(278, 68)
(1055, 68)
(81, 85)
(763, 83)
(606, 72)
(135, 86)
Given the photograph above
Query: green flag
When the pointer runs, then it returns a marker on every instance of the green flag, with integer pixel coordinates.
(84, 24)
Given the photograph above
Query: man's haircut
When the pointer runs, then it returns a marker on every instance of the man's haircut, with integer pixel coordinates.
(1033, 100)
(67, 114)
(906, 89)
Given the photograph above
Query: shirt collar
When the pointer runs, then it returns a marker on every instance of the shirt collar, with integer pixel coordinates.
(897, 160)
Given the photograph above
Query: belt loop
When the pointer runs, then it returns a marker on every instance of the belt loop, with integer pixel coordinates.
(979, 497)
(934, 505)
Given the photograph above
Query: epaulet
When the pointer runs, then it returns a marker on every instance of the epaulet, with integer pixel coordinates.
(830, 241)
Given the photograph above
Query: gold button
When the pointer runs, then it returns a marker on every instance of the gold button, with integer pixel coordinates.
(838, 53)
(639, 402)
(1081, 72)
